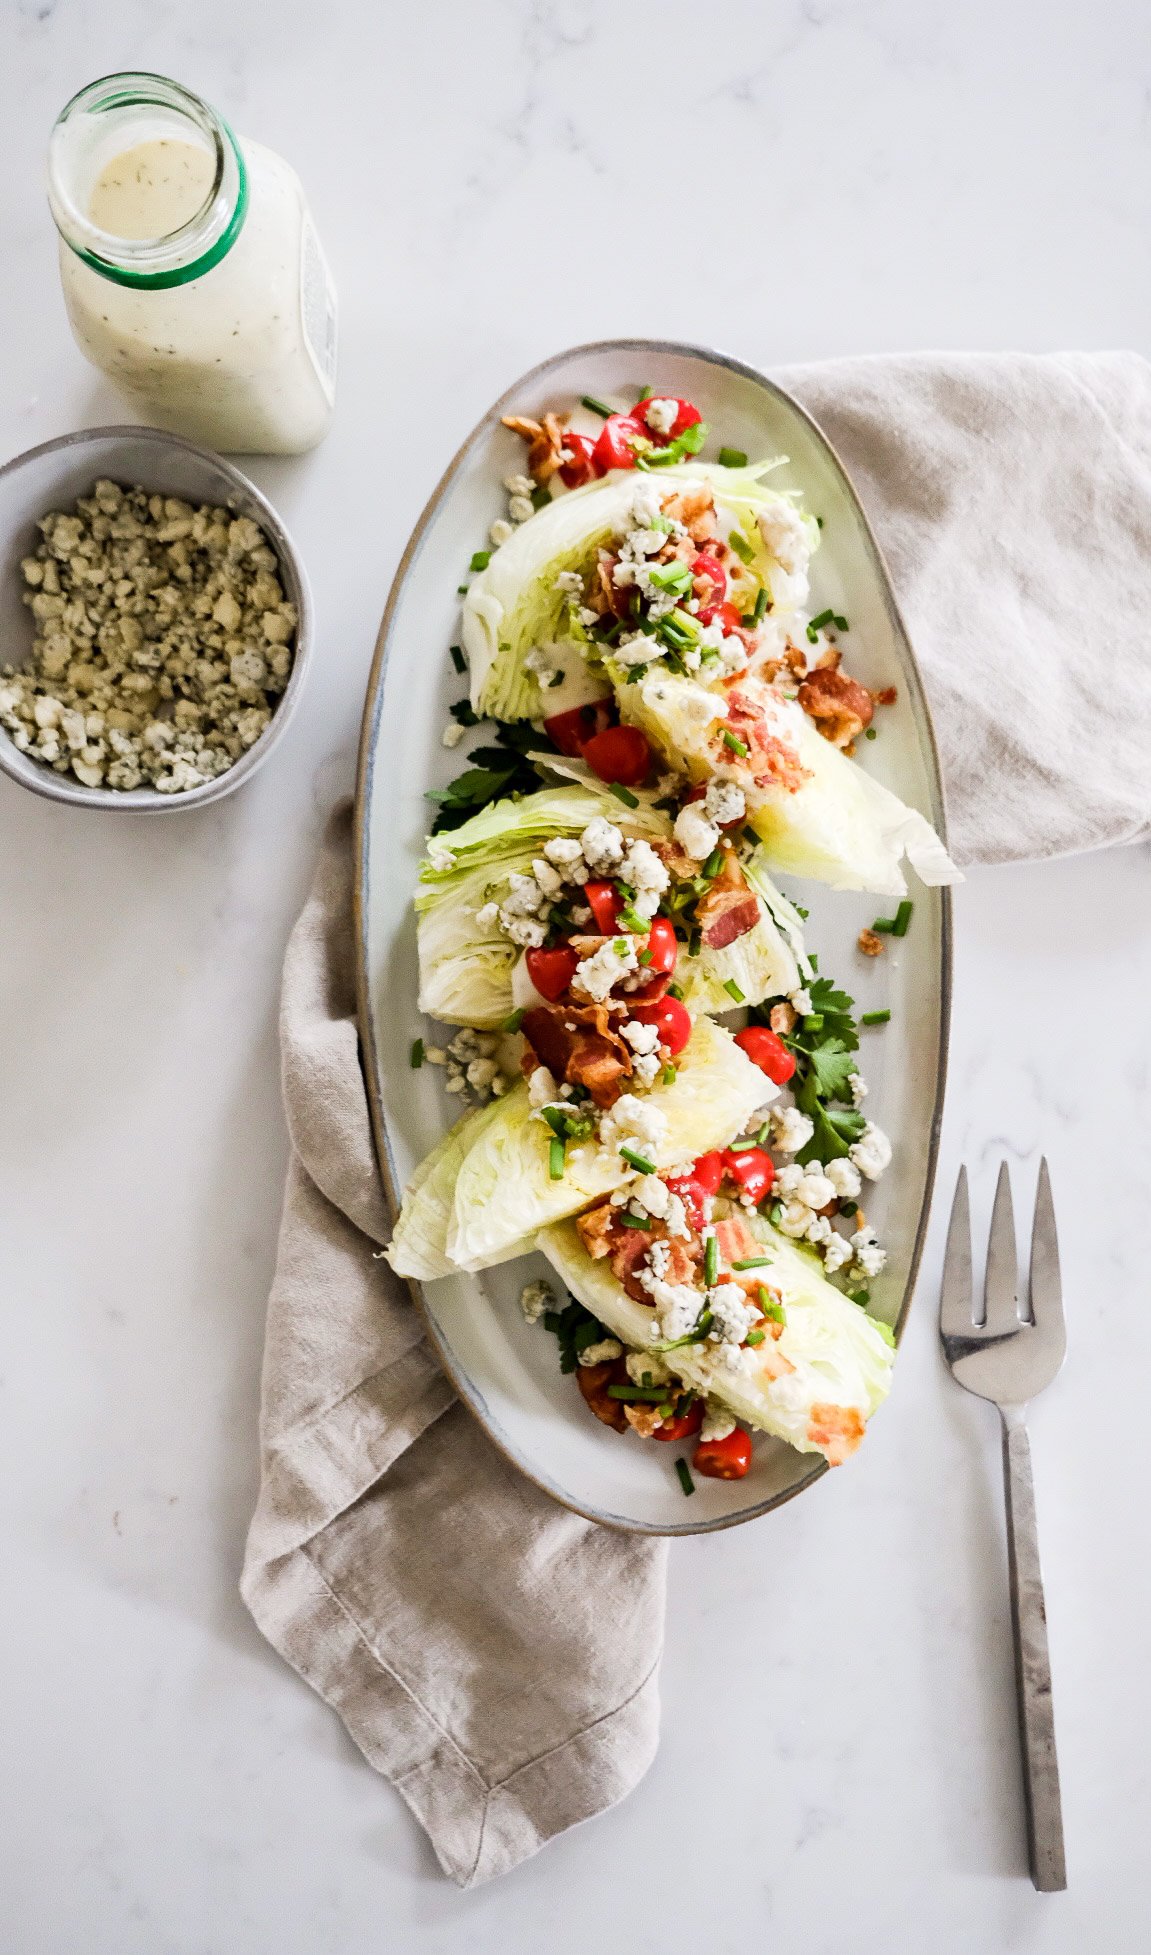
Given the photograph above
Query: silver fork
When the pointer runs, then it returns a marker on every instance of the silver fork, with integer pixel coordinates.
(1008, 1359)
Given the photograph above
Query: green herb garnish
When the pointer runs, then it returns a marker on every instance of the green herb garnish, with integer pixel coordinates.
(597, 407)
(732, 458)
(623, 794)
(742, 547)
(556, 1159)
(875, 1018)
(902, 919)
(416, 1056)
(753, 1262)
(513, 1021)
(480, 560)
(710, 1260)
(637, 1161)
(684, 1472)
(733, 991)
(735, 744)
(458, 659)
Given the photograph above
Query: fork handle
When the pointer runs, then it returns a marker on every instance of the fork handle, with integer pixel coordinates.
(1032, 1662)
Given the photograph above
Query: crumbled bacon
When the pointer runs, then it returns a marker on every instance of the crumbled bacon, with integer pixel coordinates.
(695, 509)
(578, 1045)
(643, 1419)
(837, 1430)
(593, 1381)
(545, 441)
(678, 863)
(773, 762)
(783, 1018)
(886, 697)
(603, 1234)
(870, 944)
(730, 908)
(838, 704)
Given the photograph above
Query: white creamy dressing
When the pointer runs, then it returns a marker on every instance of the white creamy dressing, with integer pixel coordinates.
(240, 358)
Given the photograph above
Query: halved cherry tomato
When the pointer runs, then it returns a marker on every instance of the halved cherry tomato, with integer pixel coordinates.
(724, 614)
(662, 947)
(571, 731)
(767, 1052)
(723, 1459)
(710, 571)
(671, 1019)
(581, 467)
(605, 903)
(551, 971)
(687, 414)
(751, 1169)
(613, 447)
(683, 1424)
(696, 1189)
(619, 753)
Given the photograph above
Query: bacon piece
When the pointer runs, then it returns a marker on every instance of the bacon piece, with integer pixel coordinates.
(643, 1419)
(545, 441)
(736, 1242)
(594, 1226)
(838, 704)
(603, 1234)
(730, 908)
(678, 863)
(837, 1430)
(579, 1046)
(870, 944)
(695, 509)
(593, 1381)
(773, 762)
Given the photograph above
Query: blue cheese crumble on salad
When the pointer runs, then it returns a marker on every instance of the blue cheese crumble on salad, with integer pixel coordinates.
(666, 728)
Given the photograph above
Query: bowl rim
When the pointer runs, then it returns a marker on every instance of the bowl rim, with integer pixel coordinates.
(147, 800)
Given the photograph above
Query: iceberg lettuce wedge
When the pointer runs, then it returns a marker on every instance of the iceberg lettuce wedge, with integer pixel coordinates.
(497, 1166)
(815, 1386)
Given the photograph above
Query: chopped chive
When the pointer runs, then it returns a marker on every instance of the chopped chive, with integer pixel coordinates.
(840, 624)
(461, 590)
(800, 911)
(753, 1262)
(735, 744)
(685, 1479)
(416, 1058)
(755, 1337)
(637, 1161)
(630, 1221)
(669, 1074)
(458, 659)
(675, 991)
(741, 546)
(713, 865)
(623, 794)
(513, 1021)
(644, 956)
(847, 1208)
(732, 458)
(645, 394)
(638, 1394)
(860, 1297)
(733, 991)
(885, 925)
(824, 618)
(596, 407)
(556, 1160)
(870, 734)
(760, 606)
(621, 946)
(694, 942)
(772, 1310)
(902, 918)
(480, 560)
(764, 1134)
(775, 1214)
(540, 496)
(710, 1260)
(750, 837)
(875, 1018)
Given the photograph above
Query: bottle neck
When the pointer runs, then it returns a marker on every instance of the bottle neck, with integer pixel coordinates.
(139, 154)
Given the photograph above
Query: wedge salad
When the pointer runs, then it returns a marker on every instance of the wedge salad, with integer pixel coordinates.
(669, 729)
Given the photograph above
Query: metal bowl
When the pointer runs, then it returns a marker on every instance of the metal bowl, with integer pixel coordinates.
(53, 476)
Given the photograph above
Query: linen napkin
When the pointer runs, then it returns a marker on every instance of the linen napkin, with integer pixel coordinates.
(492, 1655)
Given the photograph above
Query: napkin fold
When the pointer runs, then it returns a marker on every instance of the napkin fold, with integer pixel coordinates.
(492, 1655)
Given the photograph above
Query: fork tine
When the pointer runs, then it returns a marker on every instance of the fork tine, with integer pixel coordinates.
(1045, 1284)
(955, 1319)
(1001, 1290)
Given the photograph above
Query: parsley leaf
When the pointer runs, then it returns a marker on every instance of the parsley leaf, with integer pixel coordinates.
(493, 774)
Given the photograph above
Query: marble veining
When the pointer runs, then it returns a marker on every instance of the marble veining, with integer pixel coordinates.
(838, 1767)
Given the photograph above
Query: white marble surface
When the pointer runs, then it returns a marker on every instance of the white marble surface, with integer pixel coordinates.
(838, 1766)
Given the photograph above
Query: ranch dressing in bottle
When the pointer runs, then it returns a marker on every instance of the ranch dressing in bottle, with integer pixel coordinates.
(192, 273)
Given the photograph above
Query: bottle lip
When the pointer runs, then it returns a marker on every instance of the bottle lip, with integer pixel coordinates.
(199, 243)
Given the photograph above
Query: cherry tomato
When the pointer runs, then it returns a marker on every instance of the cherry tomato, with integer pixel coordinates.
(696, 1189)
(686, 417)
(671, 1019)
(751, 1169)
(708, 1171)
(613, 447)
(551, 971)
(605, 903)
(619, 753)
(724, 614)
(683, 1424)
(723, 1459)
(662, 947)
(710, 571)
(767, 1052)
(581, 467)
(571, 731)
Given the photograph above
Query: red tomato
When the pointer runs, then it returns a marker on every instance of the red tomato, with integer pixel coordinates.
(619, 753)
(767, 1052)
(671, 1019)
(710, 571)
(683, 1425)
(696, 1189)
(686, 417)
(551, 971)
(751, 1169)
(571, 731)
(581, 467)
(662, 947)
(613, 447)
(605, 903)
(723, 1459)
(724, 614)
(708, 1171)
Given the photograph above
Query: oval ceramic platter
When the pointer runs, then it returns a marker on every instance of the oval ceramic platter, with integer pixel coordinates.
(506, 1371)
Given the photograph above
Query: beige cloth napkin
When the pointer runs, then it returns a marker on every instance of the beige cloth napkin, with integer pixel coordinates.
(493, 1656)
